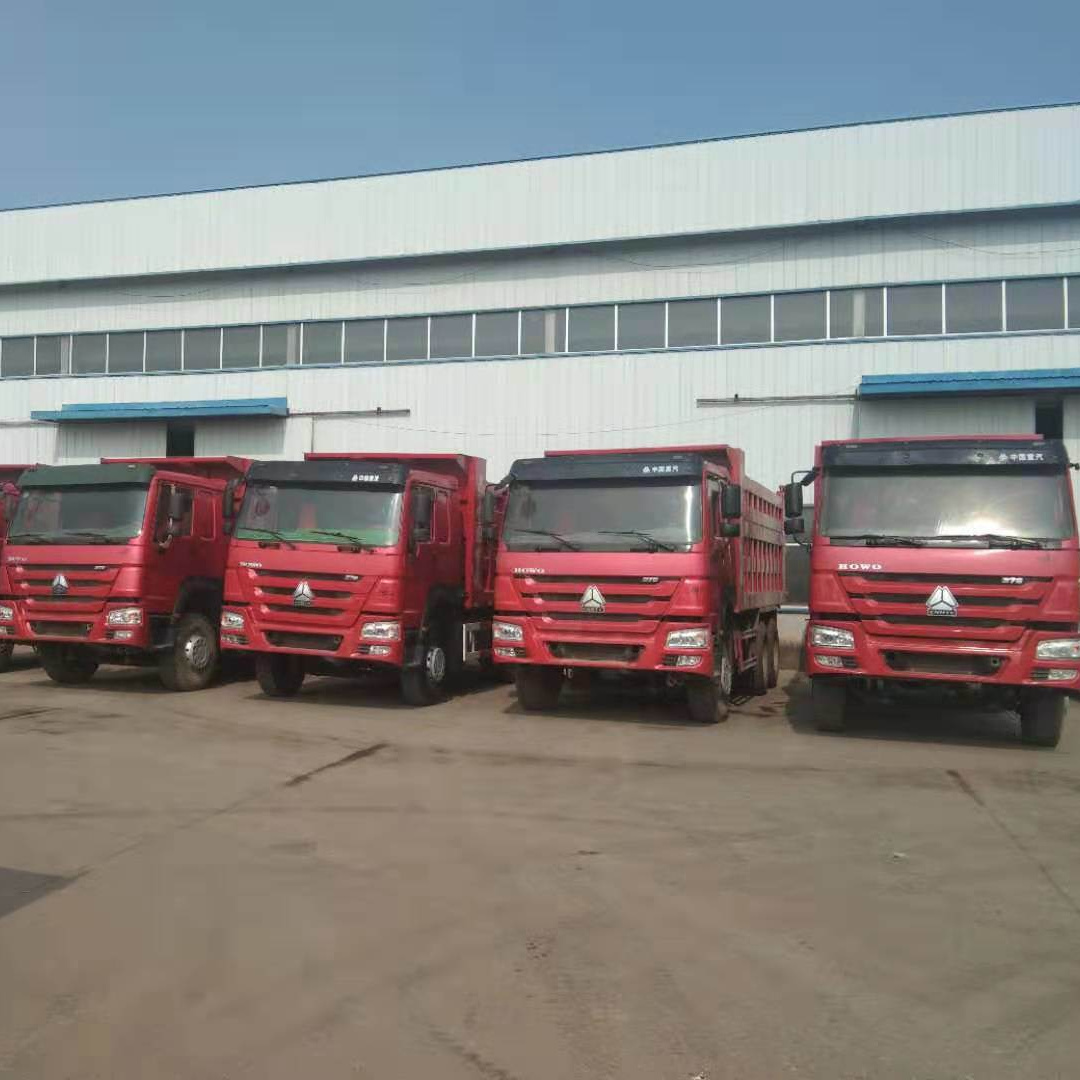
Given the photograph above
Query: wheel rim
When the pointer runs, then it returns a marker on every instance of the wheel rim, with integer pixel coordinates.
(725, 675)
(197, 652)
(435, 664)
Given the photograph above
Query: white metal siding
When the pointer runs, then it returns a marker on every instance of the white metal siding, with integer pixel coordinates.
(961, 163)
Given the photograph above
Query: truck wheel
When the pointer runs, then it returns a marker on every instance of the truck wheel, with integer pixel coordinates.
(708, 700)
(538, 687)
(192, 661)
(68, 665)
(828, 704)
(1041, 716)
(760, 673)
(772, 654)
(279, 675)
(6, 649)
(425, 684)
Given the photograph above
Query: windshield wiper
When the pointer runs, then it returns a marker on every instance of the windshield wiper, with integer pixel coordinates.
(29, 538)
(877, 540)
(90, 534)
(996, 540)
(352, 541)
(269, 532)
(654, 544)
(569, 544)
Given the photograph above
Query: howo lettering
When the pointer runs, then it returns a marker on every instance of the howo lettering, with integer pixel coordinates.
(121, 562)
(357, 563)
(665, 564)
(972, 579)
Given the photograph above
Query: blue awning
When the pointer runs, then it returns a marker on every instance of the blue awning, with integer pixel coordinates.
(970, 382)
(163, 410)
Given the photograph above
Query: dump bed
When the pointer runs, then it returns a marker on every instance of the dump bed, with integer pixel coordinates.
(470, 474)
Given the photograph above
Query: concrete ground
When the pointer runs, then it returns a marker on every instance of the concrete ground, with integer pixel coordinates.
(218, 886)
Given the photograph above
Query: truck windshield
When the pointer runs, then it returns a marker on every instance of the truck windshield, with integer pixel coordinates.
(107, 513)
(946, 504)
(603, 515)
(321, 514)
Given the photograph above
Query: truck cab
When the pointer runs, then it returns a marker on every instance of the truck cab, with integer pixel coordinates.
(943, 561)
(663, 563)
(120, 562)
(359, 563)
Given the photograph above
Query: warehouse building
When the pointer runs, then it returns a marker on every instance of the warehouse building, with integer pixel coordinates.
(909, 277)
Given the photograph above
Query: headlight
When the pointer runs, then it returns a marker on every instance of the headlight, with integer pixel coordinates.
(232, 620)
(382, 631)
(508, 631)
(832, 637)
(124, 616)
(7, 613)
(688, 639)
(1058, 649)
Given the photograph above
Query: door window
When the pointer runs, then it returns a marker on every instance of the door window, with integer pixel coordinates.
(442, 518)
(184, 522)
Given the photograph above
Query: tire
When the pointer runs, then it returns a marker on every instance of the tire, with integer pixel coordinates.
(192, 661)
(6, 649)
(68, 665)
(828, 704)
(1041, 715)
(708, 699)
(279, 674)
(538, 687)
(772, 653)
(425, 684)
(759, 674)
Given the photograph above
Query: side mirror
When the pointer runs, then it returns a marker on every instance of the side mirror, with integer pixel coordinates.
(176, 505)
(423, 504)
(794, 526)
(731, 501)
(487, 515)
(730, 528)
(228, 506)
(793, 501)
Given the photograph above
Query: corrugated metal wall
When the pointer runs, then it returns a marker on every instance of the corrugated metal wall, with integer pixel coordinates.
(930, 166)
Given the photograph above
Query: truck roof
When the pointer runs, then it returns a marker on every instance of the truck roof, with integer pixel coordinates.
(705, 449)
(937, 451)
(219, 468)
(329, 471)
(466, 468)
(39, 476)
(626, 464)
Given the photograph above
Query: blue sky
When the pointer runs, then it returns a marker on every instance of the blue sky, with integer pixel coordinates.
(122, 98)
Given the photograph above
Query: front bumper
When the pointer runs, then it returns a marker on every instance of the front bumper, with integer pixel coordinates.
(331, 643)
(1011, 663)
(545, 643)
(31, 627)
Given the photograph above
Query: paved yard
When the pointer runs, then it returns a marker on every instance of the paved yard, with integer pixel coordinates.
(218, 886)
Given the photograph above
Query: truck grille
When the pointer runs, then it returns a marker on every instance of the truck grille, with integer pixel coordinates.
(61, 629)
(317, 642)
(944, 663)
(576, 650)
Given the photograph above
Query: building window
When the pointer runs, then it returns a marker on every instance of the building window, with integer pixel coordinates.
(592, 329)
(856, 313)
(17, 357)
(364, 341)
(240, 347)
(914, 309)
(322, 343)
(799, 316)
(125, 353)
(280, 345)
(1074, 303)
(497, 333)
(691, 322)
(1050, 419)
(543, 331)
(641, 326)
(451, 336)
(1035, 304)
(179, 438)
(202, 349)
(745, 319)
(163, 350)
(406, 339)
(53, 355)
(973, 307)
(88, 354)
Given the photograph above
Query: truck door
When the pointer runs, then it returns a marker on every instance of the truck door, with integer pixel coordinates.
(423, 562)
(176, 547)
(718, 548)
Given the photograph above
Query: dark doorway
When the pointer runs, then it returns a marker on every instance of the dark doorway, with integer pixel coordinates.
(180, 438)
(1050, 419)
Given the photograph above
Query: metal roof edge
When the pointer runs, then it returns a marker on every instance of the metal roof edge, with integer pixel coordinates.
(958, 382)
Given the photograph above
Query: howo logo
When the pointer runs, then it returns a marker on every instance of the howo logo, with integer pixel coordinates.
(592, 601)
(941, 602)
(59, 585)
(872, 566)
(302, 595)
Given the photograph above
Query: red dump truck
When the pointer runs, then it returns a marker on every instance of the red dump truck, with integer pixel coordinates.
(9, 497)
(943, 562)
(666, 563)
(121, 562)
(352, 563)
